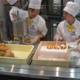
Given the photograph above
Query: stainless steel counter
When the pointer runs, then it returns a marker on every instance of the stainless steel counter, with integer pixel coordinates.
(42, 72)
(39, 72)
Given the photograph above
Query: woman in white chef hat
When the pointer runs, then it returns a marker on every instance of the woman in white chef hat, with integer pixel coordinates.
(69, 29)
(34, 26)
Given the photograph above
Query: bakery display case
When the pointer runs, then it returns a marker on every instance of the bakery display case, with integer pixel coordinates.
(57, 69)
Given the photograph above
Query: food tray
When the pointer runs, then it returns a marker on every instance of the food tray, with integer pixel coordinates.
(50, 58)
(22, 54)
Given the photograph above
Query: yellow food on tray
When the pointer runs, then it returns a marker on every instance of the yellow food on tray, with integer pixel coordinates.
(57, 45)
(5, 51)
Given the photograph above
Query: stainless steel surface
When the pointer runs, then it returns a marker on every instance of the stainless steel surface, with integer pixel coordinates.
(42, 72)
(39, 71)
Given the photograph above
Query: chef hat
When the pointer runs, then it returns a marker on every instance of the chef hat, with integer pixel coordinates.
(11, 2)
(72, 8)
(35, 4)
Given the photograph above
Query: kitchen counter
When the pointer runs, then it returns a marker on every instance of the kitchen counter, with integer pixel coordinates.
(39, 72)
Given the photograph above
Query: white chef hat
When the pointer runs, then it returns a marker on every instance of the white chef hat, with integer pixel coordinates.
(11, 2)
(35, 4)
(72, 8)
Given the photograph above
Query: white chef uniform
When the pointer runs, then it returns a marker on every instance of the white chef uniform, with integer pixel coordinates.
(38, 23)
(21, 14)
(62, 32)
